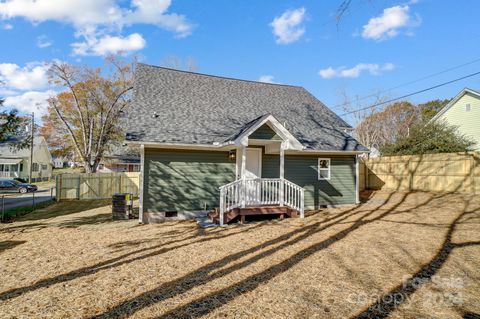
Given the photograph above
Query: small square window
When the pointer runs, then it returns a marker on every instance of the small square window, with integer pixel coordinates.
(323, 168)
(468, 107)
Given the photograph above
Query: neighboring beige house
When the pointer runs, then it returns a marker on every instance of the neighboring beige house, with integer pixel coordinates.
(463, 111)
(15, 163)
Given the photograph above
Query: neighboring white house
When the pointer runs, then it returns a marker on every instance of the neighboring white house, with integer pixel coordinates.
(15, 163)
(463, 111)
(58, 162)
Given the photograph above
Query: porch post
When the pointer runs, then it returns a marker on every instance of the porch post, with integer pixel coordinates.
(18, 170)
(357, 180)
(243, 175)
(282, 164)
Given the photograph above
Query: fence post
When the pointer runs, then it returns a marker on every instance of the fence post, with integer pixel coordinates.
(78, 186)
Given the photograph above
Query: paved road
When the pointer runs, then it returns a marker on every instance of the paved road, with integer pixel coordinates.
(20, 200)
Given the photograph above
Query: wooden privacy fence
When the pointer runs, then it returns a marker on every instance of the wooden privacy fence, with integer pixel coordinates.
(451, 172)
(96, 185)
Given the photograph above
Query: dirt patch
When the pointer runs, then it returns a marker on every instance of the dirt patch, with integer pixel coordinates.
(397, 255)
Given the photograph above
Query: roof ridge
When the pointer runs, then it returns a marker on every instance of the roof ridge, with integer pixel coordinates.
(220, 76)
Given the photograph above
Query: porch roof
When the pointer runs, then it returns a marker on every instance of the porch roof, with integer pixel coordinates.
(10, 161)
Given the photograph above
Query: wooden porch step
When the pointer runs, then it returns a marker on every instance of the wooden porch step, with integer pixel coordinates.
(227, 217)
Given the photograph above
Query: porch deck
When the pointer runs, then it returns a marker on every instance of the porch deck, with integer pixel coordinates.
(232, 215)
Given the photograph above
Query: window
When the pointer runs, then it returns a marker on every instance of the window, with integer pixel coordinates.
(323, 168)
(468, 107)
(44, 167)
(35, 167)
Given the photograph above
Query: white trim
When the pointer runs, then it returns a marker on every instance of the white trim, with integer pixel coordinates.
(282, 173)
(452, 102)
(277, 127)
(230, 146)
(329, 169)
(357, 180)
(243, 162)
(321, 152)
(211, 147)
(142, 172)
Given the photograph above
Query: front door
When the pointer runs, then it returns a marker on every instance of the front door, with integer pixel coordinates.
(253, 170)
(253, 167)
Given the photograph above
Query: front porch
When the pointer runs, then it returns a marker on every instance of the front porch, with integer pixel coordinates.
(10, 168)
(252, 194)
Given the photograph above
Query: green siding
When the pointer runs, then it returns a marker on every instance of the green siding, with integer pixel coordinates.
(264, 132)
(466, 121)
(184, 180)
(189, 180)
(302, 170)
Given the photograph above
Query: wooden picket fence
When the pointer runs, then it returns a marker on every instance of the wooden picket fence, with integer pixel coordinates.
(96, 185)
(450, 172)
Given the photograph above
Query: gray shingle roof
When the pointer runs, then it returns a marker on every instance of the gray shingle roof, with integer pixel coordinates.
(172, 106)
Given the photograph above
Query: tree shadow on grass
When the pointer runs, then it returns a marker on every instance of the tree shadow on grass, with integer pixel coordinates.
(207, 273)
(118, 261)
(9, 244)
(397, 296)
(64, 208)
(204, 305)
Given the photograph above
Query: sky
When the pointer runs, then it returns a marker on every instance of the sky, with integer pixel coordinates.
(376, 46)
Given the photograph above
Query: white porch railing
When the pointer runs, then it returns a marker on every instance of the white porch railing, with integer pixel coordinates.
(260, 191)
(8, 174)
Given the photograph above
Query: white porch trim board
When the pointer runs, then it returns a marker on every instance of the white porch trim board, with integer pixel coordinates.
(357, 180)
(142, 179)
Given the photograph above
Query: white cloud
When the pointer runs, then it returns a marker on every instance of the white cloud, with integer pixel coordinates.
(288, 27)
(43, 42)
(91, 14)
(7, 26)
(354, 72)
(109, 45)
(32, 76)
(32, 101)
(266, 79)
(388, 24)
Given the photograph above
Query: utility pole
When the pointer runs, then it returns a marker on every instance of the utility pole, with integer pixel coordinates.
(31, 148)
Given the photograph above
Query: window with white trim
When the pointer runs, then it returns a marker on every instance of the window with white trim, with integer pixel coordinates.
(468, 107)
(323, 168)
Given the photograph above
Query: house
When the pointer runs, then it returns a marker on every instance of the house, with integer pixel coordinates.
(463, 111)
(241, 146)
(120, 158)
(15, 163)
(58, 162)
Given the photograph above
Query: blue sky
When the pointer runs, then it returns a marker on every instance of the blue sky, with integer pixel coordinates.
(376, 46)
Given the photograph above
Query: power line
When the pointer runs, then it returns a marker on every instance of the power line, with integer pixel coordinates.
(410, 82)
(414, 93)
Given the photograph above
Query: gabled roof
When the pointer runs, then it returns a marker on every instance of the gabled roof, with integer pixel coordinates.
(7, 149)
(455, 100)
(172, 106)
(268, 119)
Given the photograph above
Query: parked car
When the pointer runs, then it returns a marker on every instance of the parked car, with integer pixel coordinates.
(13, 186)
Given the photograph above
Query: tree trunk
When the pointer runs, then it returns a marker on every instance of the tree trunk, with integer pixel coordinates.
(89, 168)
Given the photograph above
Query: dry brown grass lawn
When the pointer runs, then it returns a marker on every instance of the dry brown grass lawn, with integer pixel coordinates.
(337, 263)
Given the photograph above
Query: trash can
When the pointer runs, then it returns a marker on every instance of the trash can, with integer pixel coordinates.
(122, 206)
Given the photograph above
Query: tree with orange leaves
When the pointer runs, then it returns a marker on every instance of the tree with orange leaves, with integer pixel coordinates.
(84, 117)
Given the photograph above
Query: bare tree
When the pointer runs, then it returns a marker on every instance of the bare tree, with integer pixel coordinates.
(175, 62)
(87, 112)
